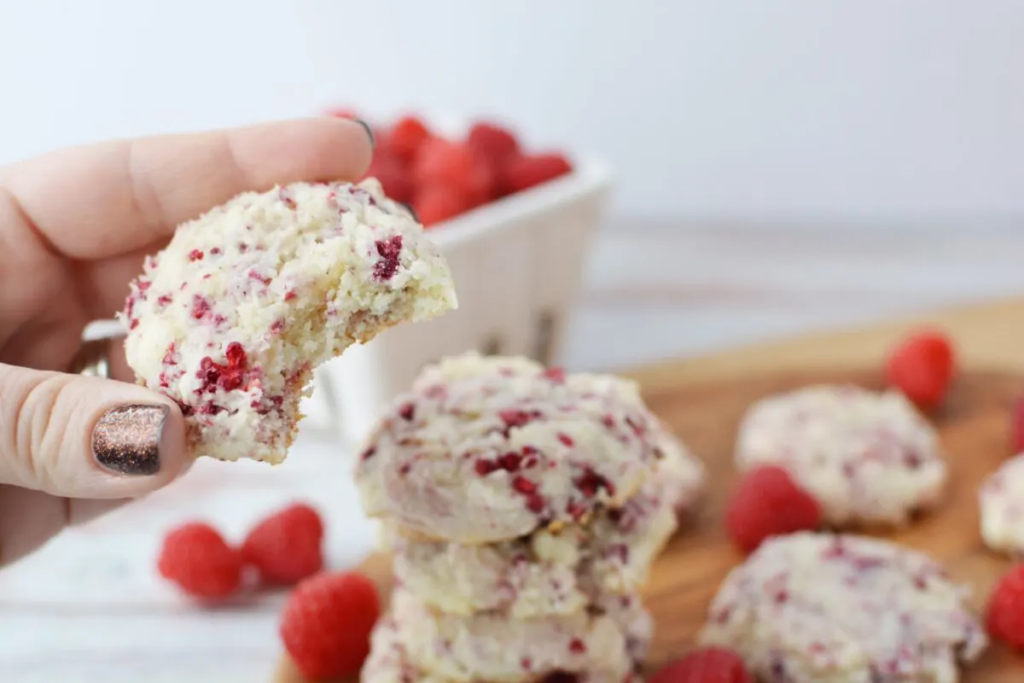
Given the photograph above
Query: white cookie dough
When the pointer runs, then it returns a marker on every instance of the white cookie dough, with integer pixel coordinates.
(231, 318)
(844, 609)
(556, 572)
(491, 647)
(487, 449)
(866, 457)
(1001, 499)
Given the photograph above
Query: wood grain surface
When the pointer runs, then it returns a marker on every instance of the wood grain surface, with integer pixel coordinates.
(704, 400)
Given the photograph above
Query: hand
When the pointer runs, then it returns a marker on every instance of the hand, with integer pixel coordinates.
(74, 228)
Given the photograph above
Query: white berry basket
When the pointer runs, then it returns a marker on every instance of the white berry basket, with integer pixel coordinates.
(517, 264)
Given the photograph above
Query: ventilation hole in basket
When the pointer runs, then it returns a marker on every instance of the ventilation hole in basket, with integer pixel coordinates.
(492, 346)
(543, 351)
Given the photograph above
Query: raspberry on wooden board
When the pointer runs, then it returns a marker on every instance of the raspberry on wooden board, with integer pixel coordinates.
(326, 623)
(200, 562)
(287, 546)
(1004, 615)
(922, 366)
(768, 502)
(706, 665)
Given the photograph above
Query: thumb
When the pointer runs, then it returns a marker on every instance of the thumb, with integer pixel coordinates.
(86, 437)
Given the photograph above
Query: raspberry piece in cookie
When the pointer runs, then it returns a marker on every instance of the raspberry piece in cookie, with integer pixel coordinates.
(556, 573)
(839, 608)
(487, 449)
(1001, 499)
(866, 457)
(233, 316)
(489, 646)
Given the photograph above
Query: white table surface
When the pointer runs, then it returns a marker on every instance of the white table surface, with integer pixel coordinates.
(89, 607)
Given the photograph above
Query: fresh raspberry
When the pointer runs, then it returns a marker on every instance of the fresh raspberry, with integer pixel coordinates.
(523, 172)
(766, 503)
(326, 624)
(198, 559)
(406, 137)
(453, 165)
(1017, 426)
(287, 546)
(492, 142)
(707, 665)
(1004, 615)
(393, 174)
(438, 203)
(922, 367)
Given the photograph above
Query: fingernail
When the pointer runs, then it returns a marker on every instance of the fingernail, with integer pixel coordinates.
(127, 439)
(369, 131)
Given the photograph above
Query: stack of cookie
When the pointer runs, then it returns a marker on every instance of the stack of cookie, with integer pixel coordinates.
(524, 508)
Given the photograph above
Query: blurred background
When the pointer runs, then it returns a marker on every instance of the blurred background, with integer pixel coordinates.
(795, 163)
(779, 167)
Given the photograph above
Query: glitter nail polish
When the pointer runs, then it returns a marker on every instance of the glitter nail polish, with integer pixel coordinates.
(126, 439)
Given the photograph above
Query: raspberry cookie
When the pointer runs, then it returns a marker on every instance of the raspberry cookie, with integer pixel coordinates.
(388, 663)
(1002, 507)
(866, 457)
(556, 572)
(489, 646)
(233, 316)
(487, 449)
(844, 609)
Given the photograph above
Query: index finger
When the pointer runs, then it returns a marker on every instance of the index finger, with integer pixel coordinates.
(112, 198)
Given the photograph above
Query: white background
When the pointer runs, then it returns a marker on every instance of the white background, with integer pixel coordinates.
(852, 114)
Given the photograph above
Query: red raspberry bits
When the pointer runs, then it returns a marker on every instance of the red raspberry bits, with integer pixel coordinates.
(198, 559)
(523, 172)
(766, 503)
(492, 142)
(326, 624)
(438, 203)
(921, 367)
(1017, 426)
(393, 175)
(287, 546)
(453, 165)
(1004, 615)
(707, 665)
(406, 137)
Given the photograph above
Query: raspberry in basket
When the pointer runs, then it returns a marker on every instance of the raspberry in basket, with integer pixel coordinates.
(706, 665)
(231, 318)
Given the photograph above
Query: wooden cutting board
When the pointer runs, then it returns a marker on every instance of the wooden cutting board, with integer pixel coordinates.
(703, 399)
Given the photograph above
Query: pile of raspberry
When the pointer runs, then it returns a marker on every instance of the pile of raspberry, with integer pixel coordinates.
(443, 177)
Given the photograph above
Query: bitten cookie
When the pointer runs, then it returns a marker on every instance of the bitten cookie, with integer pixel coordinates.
(844, 609)
(491, 647)
(1001, 499)
(231, 318)
(866, 457)
(556, 573)
(487, 449)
